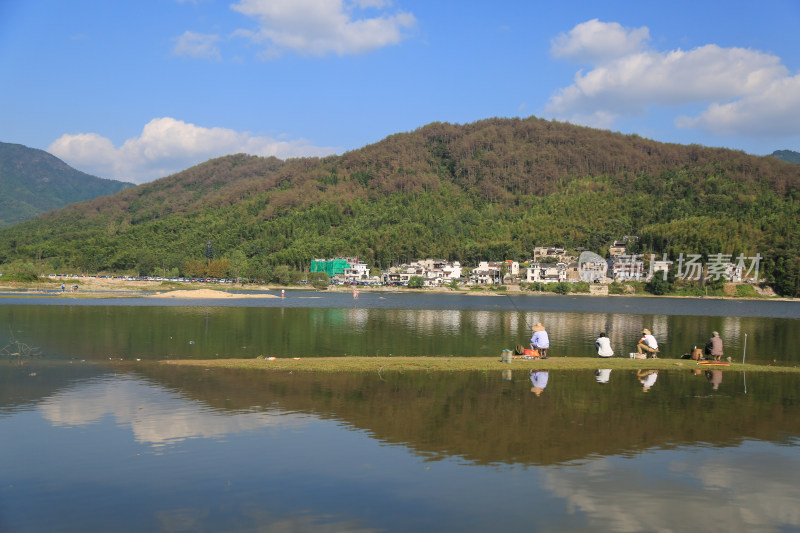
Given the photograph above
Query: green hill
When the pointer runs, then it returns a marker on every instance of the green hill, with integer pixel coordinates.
(489, 190)
(790, 156)
(33, 181)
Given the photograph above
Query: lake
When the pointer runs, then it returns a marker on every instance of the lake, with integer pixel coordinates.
(307, 324)
(127, 445)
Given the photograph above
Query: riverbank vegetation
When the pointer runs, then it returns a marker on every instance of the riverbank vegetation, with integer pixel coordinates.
(490, 190)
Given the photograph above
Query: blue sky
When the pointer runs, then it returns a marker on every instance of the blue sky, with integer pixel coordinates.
(139, 90)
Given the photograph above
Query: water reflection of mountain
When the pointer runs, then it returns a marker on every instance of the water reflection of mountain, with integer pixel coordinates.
(488, 420)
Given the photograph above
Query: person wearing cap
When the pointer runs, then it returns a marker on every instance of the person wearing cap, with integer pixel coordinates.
(603, 345)
(647, 343)
(540, 341)
(714, 346)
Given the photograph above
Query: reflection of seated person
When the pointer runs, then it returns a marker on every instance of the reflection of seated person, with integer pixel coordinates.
(602, 375)
(714, 377)
(647, 343)
(647, 378)
(539, 381)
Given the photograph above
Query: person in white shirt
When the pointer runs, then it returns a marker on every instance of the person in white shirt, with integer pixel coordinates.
(647, 343)
(603, 345)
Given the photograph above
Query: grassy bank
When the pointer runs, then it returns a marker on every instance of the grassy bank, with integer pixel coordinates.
(455, 364)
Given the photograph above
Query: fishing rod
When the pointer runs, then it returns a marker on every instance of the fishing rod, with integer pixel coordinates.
(518, 310)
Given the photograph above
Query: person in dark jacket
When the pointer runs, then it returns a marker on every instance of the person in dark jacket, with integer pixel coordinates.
(714, 346)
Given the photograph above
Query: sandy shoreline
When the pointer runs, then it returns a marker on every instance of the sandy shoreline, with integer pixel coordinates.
(111, 287)
(207, 293)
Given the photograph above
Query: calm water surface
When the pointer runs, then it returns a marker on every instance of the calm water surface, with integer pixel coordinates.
(96, 445)
(310, 324)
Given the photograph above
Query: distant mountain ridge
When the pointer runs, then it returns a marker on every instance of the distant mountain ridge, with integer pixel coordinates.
(790, 156)
(488, 190)
(33, 181)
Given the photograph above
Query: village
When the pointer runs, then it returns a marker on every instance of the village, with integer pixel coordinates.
(550, 264)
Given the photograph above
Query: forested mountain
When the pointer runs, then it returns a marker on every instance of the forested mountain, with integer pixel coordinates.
(33, 181)
(790, 156)
(489, 190)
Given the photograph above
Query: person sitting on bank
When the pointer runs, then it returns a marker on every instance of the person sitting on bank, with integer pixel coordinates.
(540, 341)
(647, 344)
(714, 346)
(603, 345)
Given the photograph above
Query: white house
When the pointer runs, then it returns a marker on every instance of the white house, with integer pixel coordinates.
(434, 272)
(617, 248)
(356, 270)
(512, 268)
(548, 251)
(546, 273)
(487, 273)
(591, 267)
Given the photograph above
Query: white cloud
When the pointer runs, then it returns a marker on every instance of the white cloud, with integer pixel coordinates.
(594, 41)
(321, 27)
(774, 112)
(702, 479)
(745, 91)
(631, 83)
(198, 45)
(166, 146)
(156, 416)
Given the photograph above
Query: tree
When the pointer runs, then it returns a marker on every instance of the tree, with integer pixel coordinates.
(319, 280)
(20, 271)
(658, 285)
(193, 268)
(218, 268)
(238, 264)
(281, 275)
(416, 282)
(561, 288)
(209, 252)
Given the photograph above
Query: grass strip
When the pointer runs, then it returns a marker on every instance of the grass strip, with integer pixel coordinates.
(456, 364)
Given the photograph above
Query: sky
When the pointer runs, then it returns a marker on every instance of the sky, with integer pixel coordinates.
(136, 91)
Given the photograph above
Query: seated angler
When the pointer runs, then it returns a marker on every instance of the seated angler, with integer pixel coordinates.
(540, 341)
(647, 344)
